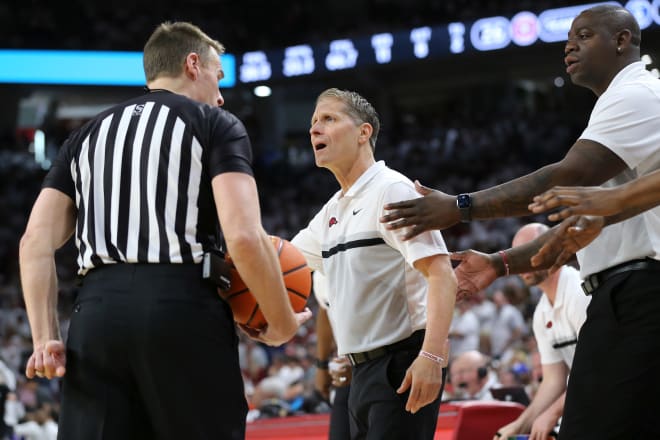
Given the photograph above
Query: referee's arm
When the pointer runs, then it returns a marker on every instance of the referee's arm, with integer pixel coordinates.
(253, 253)
(51, 223)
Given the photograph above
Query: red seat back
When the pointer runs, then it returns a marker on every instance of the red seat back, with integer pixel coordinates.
(479, 420)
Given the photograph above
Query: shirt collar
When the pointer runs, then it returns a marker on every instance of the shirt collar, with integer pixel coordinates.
(626, 72)
(362, 181)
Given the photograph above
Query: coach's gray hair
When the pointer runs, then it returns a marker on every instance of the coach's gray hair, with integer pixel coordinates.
(358, 108)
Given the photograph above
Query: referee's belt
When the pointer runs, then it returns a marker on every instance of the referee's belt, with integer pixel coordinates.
(413, 341)
(593, 282)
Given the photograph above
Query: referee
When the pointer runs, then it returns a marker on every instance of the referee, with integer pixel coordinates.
(151, 347)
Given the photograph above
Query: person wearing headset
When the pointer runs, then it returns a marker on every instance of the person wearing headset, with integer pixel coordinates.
(470, 378)
(558, 318)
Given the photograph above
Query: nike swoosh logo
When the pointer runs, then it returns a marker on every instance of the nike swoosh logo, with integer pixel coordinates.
(355, 211)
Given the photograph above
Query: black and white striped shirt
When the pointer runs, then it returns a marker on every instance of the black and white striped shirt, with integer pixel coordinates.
(140, 175)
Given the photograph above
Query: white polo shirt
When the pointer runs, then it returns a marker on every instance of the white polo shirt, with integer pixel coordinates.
(467, 325)
(375, 295)
(320, 289)
(626, 119)
(556, 327)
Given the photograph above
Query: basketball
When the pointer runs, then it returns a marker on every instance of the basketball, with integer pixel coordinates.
(297, 279)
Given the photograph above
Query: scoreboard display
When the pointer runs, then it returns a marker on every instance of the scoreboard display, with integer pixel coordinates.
(486, 34)
(342, 54)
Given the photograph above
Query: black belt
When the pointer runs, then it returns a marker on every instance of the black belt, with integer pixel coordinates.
(413, 341)
(592, 282)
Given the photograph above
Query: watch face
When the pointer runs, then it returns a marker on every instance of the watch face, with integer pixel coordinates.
(463, 201)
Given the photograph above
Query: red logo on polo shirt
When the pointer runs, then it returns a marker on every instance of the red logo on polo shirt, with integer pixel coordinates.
(333, 221)
(549, 324)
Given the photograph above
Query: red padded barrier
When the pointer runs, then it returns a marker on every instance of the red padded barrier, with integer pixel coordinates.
(469, 420)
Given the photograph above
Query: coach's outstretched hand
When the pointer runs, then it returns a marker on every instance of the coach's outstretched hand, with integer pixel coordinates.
(475, 272)
(571, 235)
(47, 360)
(578, 200)
(436, 210)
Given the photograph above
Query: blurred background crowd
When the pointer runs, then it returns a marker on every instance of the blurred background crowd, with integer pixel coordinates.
(458, 137)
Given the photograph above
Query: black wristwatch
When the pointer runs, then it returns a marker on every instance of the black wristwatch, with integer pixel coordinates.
(464, 203)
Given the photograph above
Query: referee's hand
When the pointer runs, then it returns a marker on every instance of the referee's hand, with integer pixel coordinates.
(270, 336)
(424, 379)
(47, 360)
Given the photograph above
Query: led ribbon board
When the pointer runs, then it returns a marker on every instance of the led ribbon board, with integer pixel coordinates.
(388, 48)
(98, 68)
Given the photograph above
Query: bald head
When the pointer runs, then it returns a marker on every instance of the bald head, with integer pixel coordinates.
(464, 372)
(528, 233)
(615, 19)
(524, 235)
(470, 360)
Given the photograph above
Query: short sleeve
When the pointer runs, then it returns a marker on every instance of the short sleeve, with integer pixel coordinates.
(621, 122)
(308, 241)
(229, 146)
(59, 176)
(423, 245)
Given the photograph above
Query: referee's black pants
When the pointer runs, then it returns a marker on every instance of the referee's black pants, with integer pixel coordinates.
(377, 412)
(151, 354)
(615, 378)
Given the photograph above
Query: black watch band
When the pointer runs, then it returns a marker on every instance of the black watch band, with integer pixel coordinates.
(464, 204)
(320, 363)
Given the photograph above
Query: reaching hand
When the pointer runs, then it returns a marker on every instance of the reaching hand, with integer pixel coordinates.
(506, 431)
(543, 425)
(580, 200)
(47, 360)
(269, 336)
(436, 210)
(474, 273)
(573, 234)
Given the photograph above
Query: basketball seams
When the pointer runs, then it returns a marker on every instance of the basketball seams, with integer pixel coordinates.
(245, 308)
(300, 294)
(254, 312)
(302, 266)
(235, 294)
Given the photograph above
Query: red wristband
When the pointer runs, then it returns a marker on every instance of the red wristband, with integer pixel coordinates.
(505, 260)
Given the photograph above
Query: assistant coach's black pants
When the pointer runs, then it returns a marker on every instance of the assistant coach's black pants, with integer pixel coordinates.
(377, 412)
(614, 384)
(151, 354)
(339, 420)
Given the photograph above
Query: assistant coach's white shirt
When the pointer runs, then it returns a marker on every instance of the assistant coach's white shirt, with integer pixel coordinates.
(556, 326)
(375, 295)
(626, 119)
